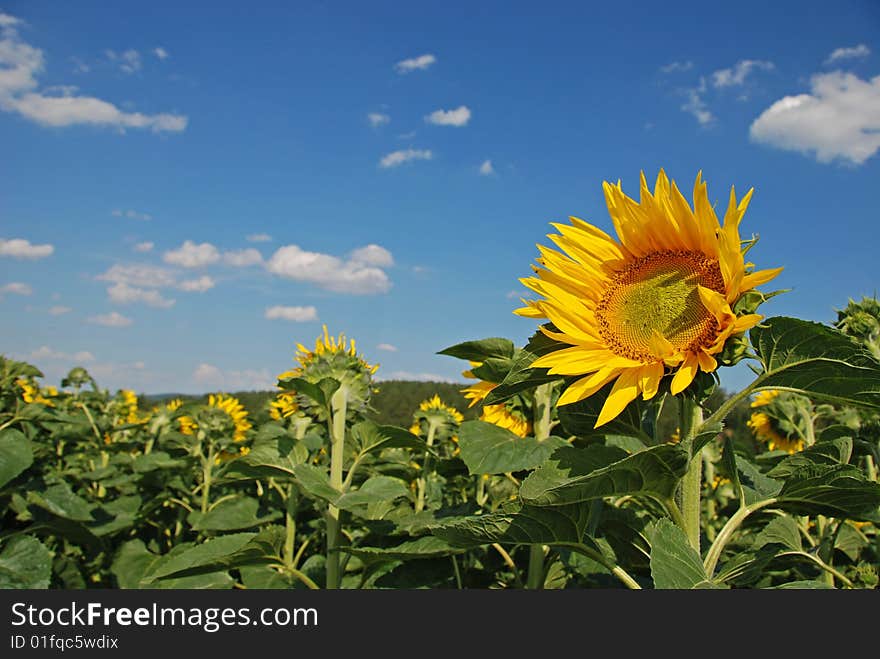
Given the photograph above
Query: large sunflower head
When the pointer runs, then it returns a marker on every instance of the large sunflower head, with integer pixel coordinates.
(657, 300)
(780, 420)
(336, 358)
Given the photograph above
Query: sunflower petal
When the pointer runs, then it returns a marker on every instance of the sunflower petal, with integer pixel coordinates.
(684, 375)
(586, 387)
(622, 394)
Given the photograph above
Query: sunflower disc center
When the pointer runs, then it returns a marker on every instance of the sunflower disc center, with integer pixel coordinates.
(658, 293)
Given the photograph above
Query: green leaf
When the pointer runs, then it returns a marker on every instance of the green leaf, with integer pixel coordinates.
(815, 360)
(376, 491)
(559, 525)
(571, 475)
(805, 585)
(829, 453)
(116, 515)
(756, 486)
(780, 530)
(25, 563)
(728, 461)
(154, 460)
(674, 563)
(314, 482)
(209, 553)
(16, 454)
(580, 418)
(520, 376)
(424, 547)
(274, 456)
(231, 515)
(134, 564)
(478, 351)
(305, 388)
(372, 438)
(838, 491)
(490, 449)
(705, 434)
(60, 500)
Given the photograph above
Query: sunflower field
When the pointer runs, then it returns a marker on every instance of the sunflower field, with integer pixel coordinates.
(568, 478)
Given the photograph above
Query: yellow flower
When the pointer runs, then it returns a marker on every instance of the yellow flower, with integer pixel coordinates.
(655, 301)
(762, 425)
(173, 405)
(130, 406)
(235, 411)
(765, 398)
(501, 416)
(187, 425)
(30, 393)
(415, 428)
(436, 405)
(283, 406)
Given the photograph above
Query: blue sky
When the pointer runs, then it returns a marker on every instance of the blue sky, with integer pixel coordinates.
(187, 193)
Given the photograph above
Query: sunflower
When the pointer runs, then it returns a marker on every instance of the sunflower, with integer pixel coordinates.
(505, 418)
(283, 407)
(777, 425)
(130, 407)
(30, 393)
(233, 409)
(476, 393)
(445, 417)
(656, 301)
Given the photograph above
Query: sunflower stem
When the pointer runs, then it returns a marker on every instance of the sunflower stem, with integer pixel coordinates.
(338, 407)
(423, 479)
(691, 417)
(541, 426)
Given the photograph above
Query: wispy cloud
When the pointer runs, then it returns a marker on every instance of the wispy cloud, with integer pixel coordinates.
(161, 53)
(419, 63)
(397, 158)
(45, 352)
(377, 119)
(16, 288)
(200, 285)
(410, 375)
(240, 258)
(131, 214)
(128, 61)
(123, 293)
(386, 347)
(853, 52)
(259, 238)
(458, 117)
(838, 120)
(59, 310)
(677, 67)
(737, 74)
(112, 319)
(293, 314)
(141, 275)
(486, 168)
(696, 106)
(352, 275)
(192, 255)
(145, 246)
(19, 248)
(210, 376)
(21, 64)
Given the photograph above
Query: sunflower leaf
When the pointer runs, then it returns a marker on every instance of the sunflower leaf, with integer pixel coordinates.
(674, 563)
(520, 376)
(815, 360)
(835, 491)
(478, 351)
(580, 418)
(16, 454)
(573, 475)
(490, 449)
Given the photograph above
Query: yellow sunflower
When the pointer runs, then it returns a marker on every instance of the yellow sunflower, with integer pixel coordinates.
(30, 393)
(655, 301)
(476, 393)
(232, 407)
(283, 407)
(769, 432)
(505, 418)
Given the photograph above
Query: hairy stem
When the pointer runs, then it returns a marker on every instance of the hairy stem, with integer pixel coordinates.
(339, 409)
(691, 417)
(727, 532)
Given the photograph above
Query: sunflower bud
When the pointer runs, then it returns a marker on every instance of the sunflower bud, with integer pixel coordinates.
(861, 322)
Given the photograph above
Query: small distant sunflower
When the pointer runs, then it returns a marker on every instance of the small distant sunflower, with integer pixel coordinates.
(445, 417)
(233, 409)
(512, 420)
(30, 393)
(658, 300)
(283, 407)
(131, 414)
(777, 424)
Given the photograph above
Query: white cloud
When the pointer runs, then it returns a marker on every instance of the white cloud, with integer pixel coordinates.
(79, 66)
(123, 293)
(21, 64)
(697, 107)
(199, 285)
(160, 52)
(59, 310)
(512, 295)
(377, 119)
(45, 352)
(838, 119)
(242, 257)
(112, 319)
(145, 246)
(373, 255)
(16, 288)
(208, 375)
(8, 21)
(407, 136)
(329, 272)
(386, 347)
(738, 73)
(142, 276)
(419, 63)
(848, 53)
(677, 67)
(130, 214)
(19, 248)
(259, 238)
(128, 61)
(458, 117)
(486, 168)
(191, 255)
(294, 314)
(396, 158)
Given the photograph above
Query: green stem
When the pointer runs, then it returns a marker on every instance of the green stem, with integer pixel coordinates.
(535, 578)
(727, 532)
(509, 562)
(829, 570)
(289, 529)
(691, 417)
(207, 466)
(457, 572)
(709, 472)
(339, 409)
(423, 479)
(615, 569)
